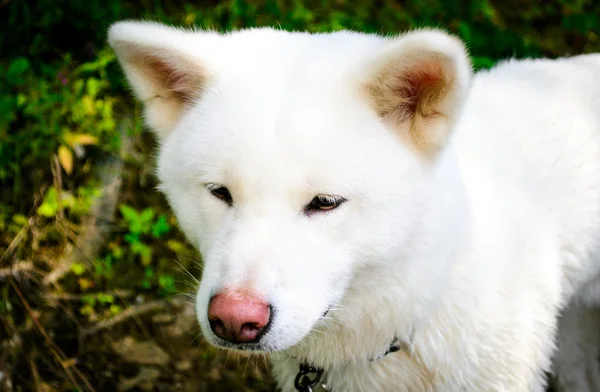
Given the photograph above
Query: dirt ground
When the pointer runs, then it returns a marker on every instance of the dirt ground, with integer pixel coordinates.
(153, 346)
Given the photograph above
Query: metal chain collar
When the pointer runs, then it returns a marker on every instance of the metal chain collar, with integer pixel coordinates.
(304, 383)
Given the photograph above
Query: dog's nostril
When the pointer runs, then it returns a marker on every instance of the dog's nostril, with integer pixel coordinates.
(217, 326)
(251, 327)
(216, 323)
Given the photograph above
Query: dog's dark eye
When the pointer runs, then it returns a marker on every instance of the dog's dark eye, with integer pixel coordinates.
(220, 192)
(324, 203)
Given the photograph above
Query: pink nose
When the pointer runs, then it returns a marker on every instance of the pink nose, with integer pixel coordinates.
(238, 317)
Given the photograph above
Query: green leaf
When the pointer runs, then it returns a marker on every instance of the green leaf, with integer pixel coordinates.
(132, 239)
(92, 86)
(160, 227)
(115, 309)
(78, 87)
(18, 67)
(175, 246)
(149, 273)
(148, 276)
(146, 218)
(89, 107)
(78, 269)
(21, 99)
(86, 310)
(167, 284)
(129, 213)
(105, 299)
(49, 206)
(89, 299)
(147, 215)
(146, 254)
(104, 267)
(133, 218)
(19, 219)
(116, 250)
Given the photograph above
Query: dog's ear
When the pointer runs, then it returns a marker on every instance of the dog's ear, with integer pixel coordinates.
(164, 66)
(417, 85)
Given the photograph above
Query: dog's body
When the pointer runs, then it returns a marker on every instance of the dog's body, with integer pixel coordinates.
(528, 157)
(466, 213)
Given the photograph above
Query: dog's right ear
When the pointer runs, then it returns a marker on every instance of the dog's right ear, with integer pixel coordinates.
(165, 67)
(418, 84)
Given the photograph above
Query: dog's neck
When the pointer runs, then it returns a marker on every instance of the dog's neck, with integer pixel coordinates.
(357, 331)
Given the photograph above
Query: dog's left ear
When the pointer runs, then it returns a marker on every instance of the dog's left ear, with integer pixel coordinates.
(417, 85)
(166, 67)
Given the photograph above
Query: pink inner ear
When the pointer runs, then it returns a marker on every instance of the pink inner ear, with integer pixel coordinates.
(419, 89)
(174, 80)
(160, 66)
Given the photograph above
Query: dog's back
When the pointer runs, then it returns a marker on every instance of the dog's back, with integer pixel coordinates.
(540, 143)
(534, 166)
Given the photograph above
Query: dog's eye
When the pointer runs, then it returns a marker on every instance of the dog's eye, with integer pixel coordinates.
(220, 192)
(324, 203)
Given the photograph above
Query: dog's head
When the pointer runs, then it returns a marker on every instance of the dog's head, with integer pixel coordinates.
(292, 160)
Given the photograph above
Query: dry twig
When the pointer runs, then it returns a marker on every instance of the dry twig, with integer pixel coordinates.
(16, 241)
(56, 351)
(130, 312)
(77, 297)
(16, 269)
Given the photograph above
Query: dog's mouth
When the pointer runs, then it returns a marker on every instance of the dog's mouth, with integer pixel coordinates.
(258, 347)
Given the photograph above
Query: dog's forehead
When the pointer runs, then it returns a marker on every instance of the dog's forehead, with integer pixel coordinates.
(275, 87)
(275, 122)
(294, 119)
(300, 139)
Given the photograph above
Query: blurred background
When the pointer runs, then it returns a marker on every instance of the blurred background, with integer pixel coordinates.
(95, 278)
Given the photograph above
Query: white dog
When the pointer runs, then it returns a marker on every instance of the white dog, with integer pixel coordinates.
(355, 195)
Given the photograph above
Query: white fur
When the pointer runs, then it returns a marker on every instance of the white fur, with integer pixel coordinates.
(468, 253)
